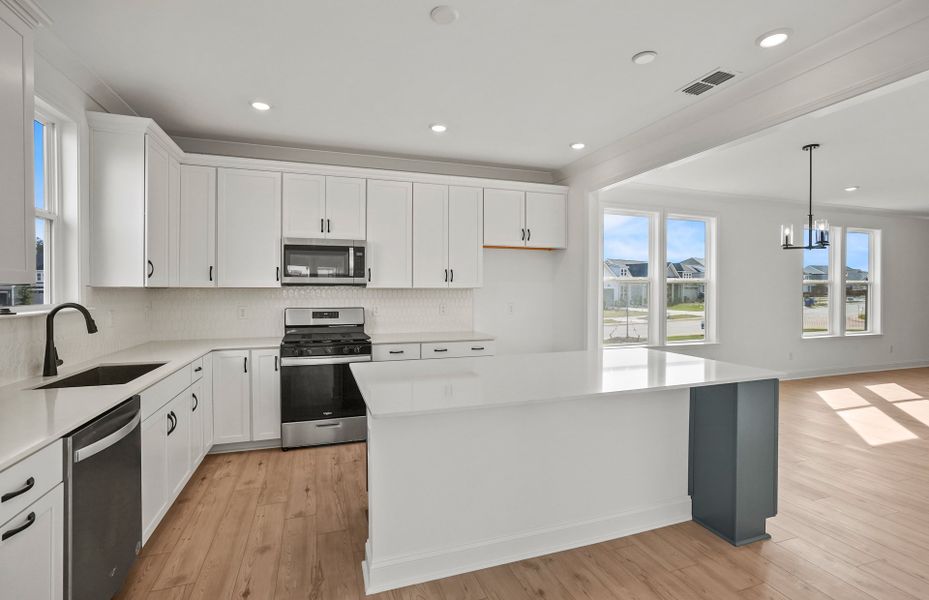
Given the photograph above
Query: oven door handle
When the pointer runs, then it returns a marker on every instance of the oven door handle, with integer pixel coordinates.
(329, 360)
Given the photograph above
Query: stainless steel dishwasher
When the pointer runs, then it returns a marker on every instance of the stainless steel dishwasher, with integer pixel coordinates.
(103, 502)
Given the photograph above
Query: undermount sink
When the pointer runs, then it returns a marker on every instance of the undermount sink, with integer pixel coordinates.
(103, 375)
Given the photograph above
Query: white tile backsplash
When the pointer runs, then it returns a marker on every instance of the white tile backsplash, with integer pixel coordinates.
(216, 313)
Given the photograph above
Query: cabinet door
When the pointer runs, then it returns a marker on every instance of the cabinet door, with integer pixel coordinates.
(157, 213)
(174, 220)
(266, 395)
(32, 561)
(504, 218)
(195, 410)
(465, 237)
(197, 227)
(207, 402)
(546, 220)
(390, 234)
(430, 239)
(178, 444)
(345, 208)
(231, 397)
(249, 228)
(304, 206)
(17, 227)
(154, 474)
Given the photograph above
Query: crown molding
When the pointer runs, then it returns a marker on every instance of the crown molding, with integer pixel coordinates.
(30, 12)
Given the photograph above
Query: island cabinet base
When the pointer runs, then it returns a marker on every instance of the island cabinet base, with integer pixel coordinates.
(458, 491)
(732, 478)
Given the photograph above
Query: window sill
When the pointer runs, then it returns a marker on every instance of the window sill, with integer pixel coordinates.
(683, 345)
(835, 336)
(24, 312)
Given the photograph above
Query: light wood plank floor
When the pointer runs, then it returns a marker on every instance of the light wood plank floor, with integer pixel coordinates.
(853, 522)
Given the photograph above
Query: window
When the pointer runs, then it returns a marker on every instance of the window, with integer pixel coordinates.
(626, 284)
(685, 312)
(645, 304)
(840, 289)
(817, 283)
(46, 204)
(858, 282)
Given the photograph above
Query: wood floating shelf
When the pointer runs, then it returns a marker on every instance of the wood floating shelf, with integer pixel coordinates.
(518, 248)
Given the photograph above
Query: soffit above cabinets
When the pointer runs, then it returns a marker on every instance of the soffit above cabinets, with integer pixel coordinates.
(516, 83)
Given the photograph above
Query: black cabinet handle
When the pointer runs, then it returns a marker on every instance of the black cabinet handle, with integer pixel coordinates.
(151, 269)
(245, 364)
(440, 350)
(528, 234)
(275, 363)
(452, 278)
(477, 348)
(395, 352)
(172, 418)
(277, 273)
(30, 483)
(523, 235)
(196, 402)
(322, 228)
(446, 275)
(211, 272)
(328, 226)
(30, 519)
(369, 274)
(198, 369)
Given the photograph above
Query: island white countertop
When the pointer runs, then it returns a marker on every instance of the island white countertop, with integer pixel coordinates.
(413, 337)
(31, 419)
(433, 386)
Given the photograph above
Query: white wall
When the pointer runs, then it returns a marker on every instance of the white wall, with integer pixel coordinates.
(759, 307)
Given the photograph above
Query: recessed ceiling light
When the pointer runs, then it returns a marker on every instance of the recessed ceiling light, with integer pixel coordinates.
(438, 128)
(773, 38)
(444, 15)
(852, 188)
(643, 58)
(257, 105)
(578, 146)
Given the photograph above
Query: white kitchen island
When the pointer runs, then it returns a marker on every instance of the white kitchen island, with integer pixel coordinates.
(475, 462)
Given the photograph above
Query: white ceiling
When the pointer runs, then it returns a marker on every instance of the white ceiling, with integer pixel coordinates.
(516, 81)
(878, 141)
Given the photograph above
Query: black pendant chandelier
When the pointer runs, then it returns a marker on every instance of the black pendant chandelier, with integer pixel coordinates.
(818, 230)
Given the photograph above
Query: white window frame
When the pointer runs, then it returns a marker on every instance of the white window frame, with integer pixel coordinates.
(873, 283)
(834, 249)
(51, 164)
(657, 279)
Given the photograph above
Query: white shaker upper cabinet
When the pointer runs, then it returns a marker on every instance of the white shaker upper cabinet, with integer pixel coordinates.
(304, 206)
(248, 228)
(17, 227)
(197, 235)
(390, 234)
(346, 208)
(157, 214)
(545, 220)
(465, 235)
(504, 218)
(430, 242)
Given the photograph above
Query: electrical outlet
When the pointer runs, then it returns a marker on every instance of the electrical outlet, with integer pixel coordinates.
(891, 348)
(442, 309)
(243, 312)
(374, 311)
(510, 308)
(790, 356)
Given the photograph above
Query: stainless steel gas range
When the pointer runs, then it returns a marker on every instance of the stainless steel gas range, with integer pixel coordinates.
(320, 401)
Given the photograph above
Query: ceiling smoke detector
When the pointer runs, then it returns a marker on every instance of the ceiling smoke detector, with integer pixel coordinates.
(444, 14)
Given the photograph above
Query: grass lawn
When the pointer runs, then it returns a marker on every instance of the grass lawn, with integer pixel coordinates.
(688, 317)
(687, 306)
(685, 338)
(622, 313)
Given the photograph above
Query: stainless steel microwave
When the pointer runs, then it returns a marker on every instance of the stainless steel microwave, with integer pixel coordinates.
(323, 262)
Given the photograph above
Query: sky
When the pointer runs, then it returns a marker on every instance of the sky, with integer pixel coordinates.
(627, 237)
(856, 251)
(38, 163)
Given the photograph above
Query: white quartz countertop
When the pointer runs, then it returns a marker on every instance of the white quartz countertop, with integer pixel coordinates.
(414, 337)
(432, 386)
(31, 419)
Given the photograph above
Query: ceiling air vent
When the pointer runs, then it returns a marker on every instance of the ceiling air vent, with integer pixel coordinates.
(707, 82)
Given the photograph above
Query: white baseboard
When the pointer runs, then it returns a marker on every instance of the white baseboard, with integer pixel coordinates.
(396, 572)
(242, 446)
(833, 371)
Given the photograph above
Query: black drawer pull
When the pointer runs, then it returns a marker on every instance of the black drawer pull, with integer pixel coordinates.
(440, 350)
(30, 483)
(477, 348)
(198, 369)
(396, 352)
(30, 519)
(196, 403)
(172, 419)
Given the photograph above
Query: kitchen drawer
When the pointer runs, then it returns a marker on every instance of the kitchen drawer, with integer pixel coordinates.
(381, 352)
(196, 369)
(164, 391)
(36, 475)
(457, 349)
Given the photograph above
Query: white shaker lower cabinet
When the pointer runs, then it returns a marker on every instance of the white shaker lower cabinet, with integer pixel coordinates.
(248, 228)
(266, 394)
(196, 410)
(154, 470)
(32, 558)
(206, 398)
(389, 251)
(231, 397)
